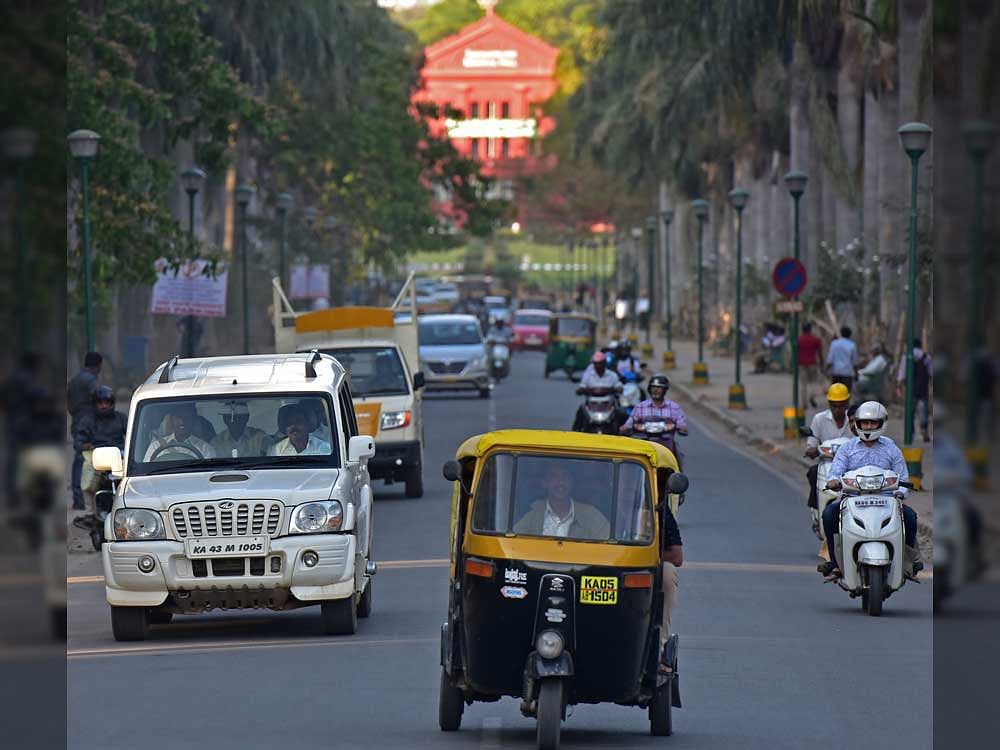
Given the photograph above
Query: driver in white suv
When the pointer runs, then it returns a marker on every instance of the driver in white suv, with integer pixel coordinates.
(181, 442)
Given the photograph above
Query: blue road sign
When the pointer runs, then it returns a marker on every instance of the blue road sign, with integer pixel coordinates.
(789, 277)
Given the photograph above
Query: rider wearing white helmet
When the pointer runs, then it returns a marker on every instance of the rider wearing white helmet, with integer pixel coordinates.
(870, 448)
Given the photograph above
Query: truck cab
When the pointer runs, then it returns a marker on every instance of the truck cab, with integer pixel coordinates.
(379, 349)
(244, 484)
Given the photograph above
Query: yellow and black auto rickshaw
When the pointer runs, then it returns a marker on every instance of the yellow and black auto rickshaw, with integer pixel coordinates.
(572, 337)
(551, 603)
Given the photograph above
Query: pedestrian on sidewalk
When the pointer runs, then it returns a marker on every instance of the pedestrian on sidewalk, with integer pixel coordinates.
(842, 359)
(871, 376)
(923, 371)
(80, 403)
(810, 355)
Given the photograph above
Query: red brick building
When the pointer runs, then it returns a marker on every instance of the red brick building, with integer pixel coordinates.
(498, 77)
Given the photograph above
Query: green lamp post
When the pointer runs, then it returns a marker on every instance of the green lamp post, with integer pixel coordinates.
(669, 361)
(796, 182)
(738, 198)
(284, 203)
(700, 371)
(83, 145)
(244, 194)
(192, 179)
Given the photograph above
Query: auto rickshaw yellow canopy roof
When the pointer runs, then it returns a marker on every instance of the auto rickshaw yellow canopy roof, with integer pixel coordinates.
(566, 442)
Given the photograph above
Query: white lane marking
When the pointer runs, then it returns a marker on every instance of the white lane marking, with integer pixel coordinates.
(84, 653)
(443, 563)
(491, 732)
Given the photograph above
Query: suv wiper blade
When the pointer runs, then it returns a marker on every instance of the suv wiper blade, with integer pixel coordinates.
(308, 460)
(206, 464)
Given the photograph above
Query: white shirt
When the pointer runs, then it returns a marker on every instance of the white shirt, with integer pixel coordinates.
(877, 364)
(206, 450)
(592, 380)
(825, 428)
(315, 447)
(556, 526)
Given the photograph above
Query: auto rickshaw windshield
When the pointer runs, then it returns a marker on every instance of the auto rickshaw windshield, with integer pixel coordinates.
(582, 499)
(580, 327)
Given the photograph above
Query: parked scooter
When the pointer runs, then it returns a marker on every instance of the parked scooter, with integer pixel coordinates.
(601, 409)
(870, 546)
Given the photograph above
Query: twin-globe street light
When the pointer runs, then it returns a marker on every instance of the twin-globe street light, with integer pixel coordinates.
(915, 137)
(18, 146)
(83, 146)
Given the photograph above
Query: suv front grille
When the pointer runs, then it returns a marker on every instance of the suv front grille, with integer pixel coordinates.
(446, 368)
(242, 518)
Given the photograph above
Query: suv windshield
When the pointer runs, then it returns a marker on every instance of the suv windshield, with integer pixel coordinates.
(374, 370)
(584, 499)
(443, 333)
(207, 432)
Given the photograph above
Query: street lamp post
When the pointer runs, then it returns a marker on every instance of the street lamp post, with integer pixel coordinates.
(700, 209)
(650, 283)
(244, 193)
(83, 146)
(19, 147)
(915, 137)
(634, 283)
(192, 179)
(669, 363)
(738, 198)
(796, 183)
(339, 290)
(284, 203)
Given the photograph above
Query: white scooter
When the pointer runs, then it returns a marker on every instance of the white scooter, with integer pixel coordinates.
(870, 546)
(827, 450)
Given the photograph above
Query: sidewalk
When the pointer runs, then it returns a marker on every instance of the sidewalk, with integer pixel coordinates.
(761, 424)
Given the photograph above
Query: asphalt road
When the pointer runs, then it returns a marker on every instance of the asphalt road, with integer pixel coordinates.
(770, 656)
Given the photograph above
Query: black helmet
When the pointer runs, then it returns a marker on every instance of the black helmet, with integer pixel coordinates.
(659, 381)
(104, 395)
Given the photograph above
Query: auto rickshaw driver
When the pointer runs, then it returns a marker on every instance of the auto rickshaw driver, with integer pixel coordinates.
(558, 514)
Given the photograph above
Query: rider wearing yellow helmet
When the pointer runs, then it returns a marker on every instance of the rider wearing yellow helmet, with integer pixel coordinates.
(827, 425)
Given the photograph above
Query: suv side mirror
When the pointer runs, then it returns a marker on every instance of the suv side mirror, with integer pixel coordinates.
(452, 471)
(108, 458)
(418, 381)
(677, 483)
(360, 448)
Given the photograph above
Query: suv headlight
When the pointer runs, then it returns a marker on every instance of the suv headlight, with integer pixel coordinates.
(317, 517)
(138, 524)
(479, 363)
(393, 420)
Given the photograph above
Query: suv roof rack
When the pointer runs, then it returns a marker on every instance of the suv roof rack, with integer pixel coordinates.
(314, 357)
(165, 375)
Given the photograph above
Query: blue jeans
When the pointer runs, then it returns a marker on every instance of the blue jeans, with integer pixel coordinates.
(831, 526)
(75, 477)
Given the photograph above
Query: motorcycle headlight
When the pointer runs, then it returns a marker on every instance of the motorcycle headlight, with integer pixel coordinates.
(393, 420)
(873, 482)
(138, 524)
(317, 517)
(549, 644)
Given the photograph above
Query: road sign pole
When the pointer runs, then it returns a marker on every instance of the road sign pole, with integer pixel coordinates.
(795, 328)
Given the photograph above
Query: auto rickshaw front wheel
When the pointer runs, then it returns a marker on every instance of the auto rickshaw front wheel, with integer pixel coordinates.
(550, 713)
(451, 705)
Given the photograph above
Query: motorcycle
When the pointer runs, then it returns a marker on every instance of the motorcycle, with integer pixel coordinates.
(663, 432)
(498, 356)
(601, 409)
(870, 545)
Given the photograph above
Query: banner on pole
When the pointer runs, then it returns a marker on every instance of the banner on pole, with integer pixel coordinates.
(189, 290)
(309, 281)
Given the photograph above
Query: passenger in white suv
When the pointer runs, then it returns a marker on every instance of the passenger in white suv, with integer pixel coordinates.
(294, 422)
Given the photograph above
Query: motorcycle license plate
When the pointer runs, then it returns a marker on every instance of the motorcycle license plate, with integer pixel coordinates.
(231, 546)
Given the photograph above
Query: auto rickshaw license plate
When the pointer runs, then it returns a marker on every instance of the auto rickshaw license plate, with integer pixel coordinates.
(599, 590)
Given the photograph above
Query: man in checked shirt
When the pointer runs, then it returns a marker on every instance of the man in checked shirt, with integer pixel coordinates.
(657, 408)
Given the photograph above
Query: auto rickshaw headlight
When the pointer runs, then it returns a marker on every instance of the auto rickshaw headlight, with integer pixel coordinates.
(549, 644)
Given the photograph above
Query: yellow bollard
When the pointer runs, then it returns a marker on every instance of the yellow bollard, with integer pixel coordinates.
(791, 423)
(669, 363)
(979, 461)
(633, 339)
(914, 464)
(737, 396)
(700, 373)
(647, 351)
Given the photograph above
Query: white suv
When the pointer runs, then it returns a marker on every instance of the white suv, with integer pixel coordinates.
(244, 484)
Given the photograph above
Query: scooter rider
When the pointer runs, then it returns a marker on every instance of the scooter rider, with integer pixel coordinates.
(624, 361)
(597, 375)
(869, 448)
(656, 408)
(103, 427)
(827, 425)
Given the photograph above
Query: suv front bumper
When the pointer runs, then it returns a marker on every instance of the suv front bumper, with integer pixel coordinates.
(333, 577)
